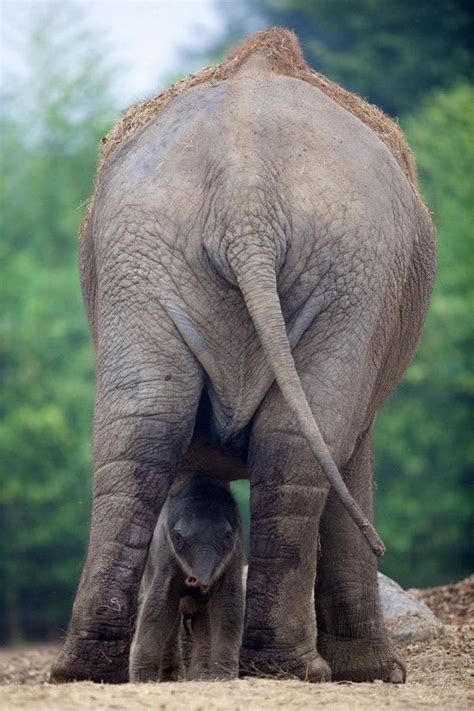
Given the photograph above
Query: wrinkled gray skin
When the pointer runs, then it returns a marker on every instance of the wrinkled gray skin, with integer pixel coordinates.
(236, 189)
(193, 588)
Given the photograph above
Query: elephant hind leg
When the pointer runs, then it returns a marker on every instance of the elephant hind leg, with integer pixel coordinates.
(289, 491)
(148, 389)
(352, 636)
(351, 633)
(287, 496)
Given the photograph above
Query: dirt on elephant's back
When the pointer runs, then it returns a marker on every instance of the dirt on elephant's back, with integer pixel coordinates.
(281, 47)
(439, 676)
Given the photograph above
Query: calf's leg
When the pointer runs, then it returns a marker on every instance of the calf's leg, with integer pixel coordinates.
(154, 654)
(226, 619)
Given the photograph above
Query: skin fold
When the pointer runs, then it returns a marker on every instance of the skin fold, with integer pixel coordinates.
(191, 619)
(256, 269)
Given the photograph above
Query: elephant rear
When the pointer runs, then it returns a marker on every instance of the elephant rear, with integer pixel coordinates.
(259, 241)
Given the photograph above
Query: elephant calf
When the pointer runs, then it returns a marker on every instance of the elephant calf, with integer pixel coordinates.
(190, 623)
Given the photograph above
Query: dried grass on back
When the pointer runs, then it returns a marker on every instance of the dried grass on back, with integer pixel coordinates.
(282, 49)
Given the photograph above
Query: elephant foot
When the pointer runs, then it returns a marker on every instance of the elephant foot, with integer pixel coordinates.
(86, 659)
(171, 674)
(218, 673)
(212, 675)
(310, 667)
(362, 659)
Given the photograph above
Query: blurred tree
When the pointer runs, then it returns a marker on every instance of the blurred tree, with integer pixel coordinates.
(52, 123)
(52, 113)
(425, 450)
(391, 52)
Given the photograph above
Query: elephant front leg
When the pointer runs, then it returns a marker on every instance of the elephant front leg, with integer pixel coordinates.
(145, 411)
(351, 632)
(287, 497)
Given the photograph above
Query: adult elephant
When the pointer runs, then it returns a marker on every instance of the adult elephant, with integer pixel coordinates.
(256, 248)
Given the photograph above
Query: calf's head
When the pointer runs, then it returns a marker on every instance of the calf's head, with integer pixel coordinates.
(203, 528)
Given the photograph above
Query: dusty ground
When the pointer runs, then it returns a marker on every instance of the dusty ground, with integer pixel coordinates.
(440, 676)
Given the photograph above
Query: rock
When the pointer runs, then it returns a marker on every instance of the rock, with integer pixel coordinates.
(407, 619)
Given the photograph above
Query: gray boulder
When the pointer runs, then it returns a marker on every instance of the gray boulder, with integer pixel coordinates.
(407, 619)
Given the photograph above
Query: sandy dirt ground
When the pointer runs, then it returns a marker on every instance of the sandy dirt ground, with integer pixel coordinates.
(440, 676)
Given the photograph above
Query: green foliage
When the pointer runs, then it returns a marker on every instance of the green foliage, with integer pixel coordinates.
(52, 125)
(425, 452)
(241, 491)
(391, 52)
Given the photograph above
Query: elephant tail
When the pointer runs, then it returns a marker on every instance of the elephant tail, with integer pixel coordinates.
(257, 282)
